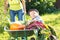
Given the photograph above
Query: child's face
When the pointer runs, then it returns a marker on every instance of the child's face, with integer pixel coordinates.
(32, 14)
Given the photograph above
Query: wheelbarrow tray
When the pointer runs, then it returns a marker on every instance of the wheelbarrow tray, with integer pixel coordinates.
(19, 33)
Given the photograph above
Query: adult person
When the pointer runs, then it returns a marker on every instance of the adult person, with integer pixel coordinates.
(16, 7)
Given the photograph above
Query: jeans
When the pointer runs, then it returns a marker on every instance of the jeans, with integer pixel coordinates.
(19, 13)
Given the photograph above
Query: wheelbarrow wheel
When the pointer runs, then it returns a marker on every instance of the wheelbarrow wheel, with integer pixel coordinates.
(52, 31)
(32, 38)
(53, 36)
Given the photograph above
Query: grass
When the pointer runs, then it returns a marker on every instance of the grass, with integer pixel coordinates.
(52, 19)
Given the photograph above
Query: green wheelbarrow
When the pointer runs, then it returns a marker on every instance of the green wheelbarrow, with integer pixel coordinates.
(23, 34)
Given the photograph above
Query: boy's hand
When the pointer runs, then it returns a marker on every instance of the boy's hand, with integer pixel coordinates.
(28, 22)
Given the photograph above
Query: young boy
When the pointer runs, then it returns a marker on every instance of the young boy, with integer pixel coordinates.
(36, 19)
(34, 14)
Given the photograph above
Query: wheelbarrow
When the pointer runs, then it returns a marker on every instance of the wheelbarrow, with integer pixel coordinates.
(25, 33)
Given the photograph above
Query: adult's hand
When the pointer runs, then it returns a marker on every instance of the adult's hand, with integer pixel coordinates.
(5, 11)
(5, 6)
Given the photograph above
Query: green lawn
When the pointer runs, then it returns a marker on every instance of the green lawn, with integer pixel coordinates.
(52, 19)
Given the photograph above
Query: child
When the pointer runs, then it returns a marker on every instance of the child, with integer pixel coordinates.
(34, 14)
(36, 19)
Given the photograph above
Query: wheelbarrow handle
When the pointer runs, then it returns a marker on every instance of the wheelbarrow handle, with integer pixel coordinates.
(6, 28)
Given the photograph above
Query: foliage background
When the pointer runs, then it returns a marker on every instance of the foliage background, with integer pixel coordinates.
(42, 5)
(48, 12)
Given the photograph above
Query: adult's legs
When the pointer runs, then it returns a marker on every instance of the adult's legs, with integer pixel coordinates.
(12, 15)
(20, 15)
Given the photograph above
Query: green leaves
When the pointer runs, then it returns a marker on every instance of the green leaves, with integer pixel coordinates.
(42, 5)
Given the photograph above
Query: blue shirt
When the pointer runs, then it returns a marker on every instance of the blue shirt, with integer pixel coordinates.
(38, 18)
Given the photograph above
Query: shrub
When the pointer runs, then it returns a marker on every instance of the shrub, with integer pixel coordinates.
(41, 5)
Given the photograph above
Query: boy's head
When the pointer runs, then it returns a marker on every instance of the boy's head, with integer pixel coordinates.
(33, 13)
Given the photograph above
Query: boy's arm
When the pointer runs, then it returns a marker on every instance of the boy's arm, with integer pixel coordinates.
(5, 6)
(24, 5)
